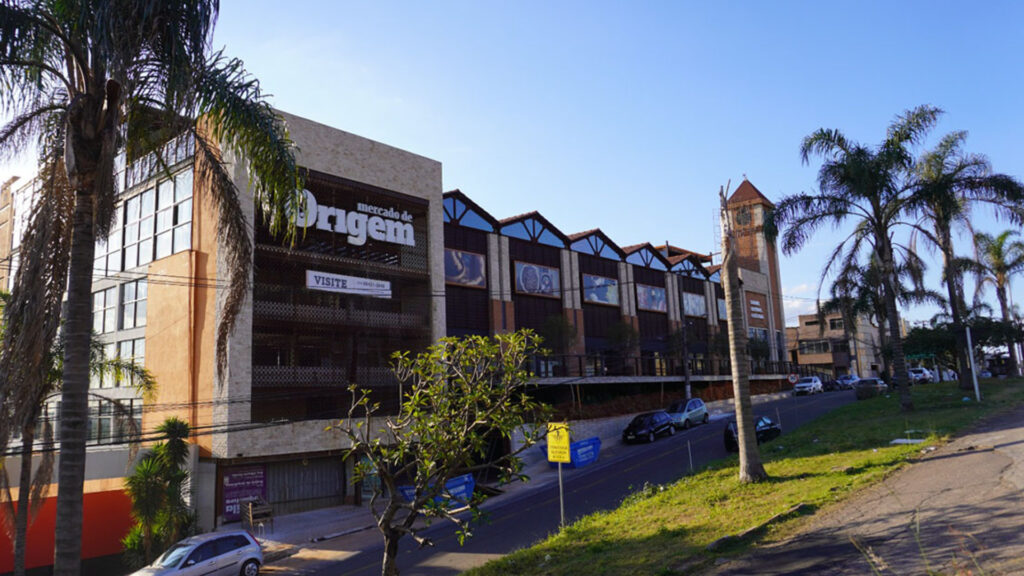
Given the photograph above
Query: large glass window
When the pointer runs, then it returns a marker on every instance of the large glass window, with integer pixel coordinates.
(133, 304)
(157, 222)
(104, 310)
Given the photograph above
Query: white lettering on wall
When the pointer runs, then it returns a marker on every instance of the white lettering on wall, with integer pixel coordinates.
(380, 224)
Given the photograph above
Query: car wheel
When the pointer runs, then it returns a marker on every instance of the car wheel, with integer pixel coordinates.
(250, 568)
(650, 437)
(705, 417)
(686, 423)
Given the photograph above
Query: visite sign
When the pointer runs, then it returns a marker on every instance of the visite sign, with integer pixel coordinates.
(366, 221)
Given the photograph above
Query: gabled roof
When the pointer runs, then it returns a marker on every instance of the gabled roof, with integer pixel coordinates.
(747, 192)
(534, 215)
(630, 250)
(673, 251)
(601, 238)
(458, 194)
(692, 259)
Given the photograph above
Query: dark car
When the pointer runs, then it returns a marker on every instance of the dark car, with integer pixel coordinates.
(764, 427)
(648, 426)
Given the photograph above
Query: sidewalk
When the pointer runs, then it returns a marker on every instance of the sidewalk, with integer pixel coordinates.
(295, 536)
(959, 510)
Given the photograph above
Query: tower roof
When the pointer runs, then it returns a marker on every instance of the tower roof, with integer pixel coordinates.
(747, 192)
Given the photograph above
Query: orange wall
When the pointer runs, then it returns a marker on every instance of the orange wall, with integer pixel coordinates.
(106, 519)
(181, 326)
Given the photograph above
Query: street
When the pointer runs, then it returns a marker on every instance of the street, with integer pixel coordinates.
(521, 519)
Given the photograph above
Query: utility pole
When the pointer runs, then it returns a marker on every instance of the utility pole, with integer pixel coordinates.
(686, 356)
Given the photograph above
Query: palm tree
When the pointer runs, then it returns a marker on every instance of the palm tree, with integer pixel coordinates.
(751, 467)
(866, 185)
(87, 81)
(157, 490)
(857, 292)
(947, 182)
(999, 258)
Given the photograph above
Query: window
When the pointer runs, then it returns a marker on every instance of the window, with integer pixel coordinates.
(835, 324)
(133, 304)
(104, 310)
(814, 347)
(811, 323)
(157, 223)
(758, 334)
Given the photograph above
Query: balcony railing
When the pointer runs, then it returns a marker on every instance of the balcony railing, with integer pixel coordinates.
(575, 366)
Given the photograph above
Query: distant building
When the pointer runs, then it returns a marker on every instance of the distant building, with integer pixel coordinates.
(828, 345)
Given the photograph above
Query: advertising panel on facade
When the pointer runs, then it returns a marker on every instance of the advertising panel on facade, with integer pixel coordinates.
(651, 298)
(693, 305)
(241, 484)
(538, 280)
(600, 290)
(464, 268)
(347, 284)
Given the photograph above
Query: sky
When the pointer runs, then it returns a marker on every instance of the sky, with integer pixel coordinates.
(629, 116)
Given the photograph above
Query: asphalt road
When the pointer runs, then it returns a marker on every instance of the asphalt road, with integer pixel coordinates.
(530, 515)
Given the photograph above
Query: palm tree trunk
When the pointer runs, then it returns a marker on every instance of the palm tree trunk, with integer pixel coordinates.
(1004, 308)
(751, 467)
(74, 416)
(28, 437)
(899, 361)
(956, 309)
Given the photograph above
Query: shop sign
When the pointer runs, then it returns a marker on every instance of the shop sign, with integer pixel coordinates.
(240, 485)
(538, 280)
(600, 290)
(377, 223)
(327, 282)
(651, 298)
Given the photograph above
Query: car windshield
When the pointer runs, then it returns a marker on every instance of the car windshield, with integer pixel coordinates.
(806, 380)
(173, 556)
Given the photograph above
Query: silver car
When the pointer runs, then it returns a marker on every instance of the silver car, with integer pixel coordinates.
(216, 554)
(685, 413)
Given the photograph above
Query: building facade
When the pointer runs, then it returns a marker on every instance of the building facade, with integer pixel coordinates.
(383, 261)
(828, 345)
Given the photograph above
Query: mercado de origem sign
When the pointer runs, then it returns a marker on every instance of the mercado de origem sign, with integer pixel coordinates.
(366, 221)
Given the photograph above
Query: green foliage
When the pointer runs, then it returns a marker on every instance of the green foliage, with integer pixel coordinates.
(623, 336)
(459, 396)
(558, 333)
(157, 488)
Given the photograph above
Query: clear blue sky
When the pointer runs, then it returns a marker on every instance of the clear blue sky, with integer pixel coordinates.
(628, 116)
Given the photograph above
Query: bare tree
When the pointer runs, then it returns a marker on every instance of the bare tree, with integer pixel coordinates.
(751, 467)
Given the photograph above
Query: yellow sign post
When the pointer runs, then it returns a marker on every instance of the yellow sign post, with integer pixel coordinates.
(558, 451)
(558, 442)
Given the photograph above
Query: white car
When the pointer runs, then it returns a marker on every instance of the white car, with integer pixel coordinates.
(920, 376)
(808, 385)
(214, 554)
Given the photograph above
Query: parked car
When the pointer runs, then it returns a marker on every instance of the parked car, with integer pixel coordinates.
(764, 428)
(216, 553)
(869, 388)
(808, 385)
(920, 376)
(648, 426)
(686, 413)
(985, 373)
(846, 381)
